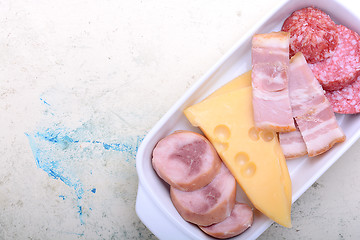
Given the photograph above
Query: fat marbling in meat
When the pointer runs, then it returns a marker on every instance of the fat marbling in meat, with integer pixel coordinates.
(311, 109)
(270, 62)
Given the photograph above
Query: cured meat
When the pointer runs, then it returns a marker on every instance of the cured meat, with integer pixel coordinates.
(312, 111)
(241, 218)
(270, 61)
(292, 144)
(347, 99)
(186, 160)
(210, 204)
(313, 33)
(342, 68)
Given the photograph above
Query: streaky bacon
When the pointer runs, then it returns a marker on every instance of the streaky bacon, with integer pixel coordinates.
(292, 144)
(311, 109)
(270, 62)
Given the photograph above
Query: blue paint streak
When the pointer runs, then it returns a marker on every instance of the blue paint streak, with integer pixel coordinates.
(58, 152)
(46, 145)
(45, 102)
(78, 234)
(57, 136)
(80, 214)
(45, 162)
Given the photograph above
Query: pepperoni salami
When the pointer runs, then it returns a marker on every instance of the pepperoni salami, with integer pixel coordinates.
(347, 99)
(313, 33)
(342, 68)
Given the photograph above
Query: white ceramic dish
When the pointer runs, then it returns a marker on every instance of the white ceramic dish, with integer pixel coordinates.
(153, 204)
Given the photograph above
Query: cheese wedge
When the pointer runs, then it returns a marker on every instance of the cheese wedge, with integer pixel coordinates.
(241, 81)
(254, 157)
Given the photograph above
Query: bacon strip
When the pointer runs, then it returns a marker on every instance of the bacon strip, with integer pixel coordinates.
(292, 144)
(270, 61)
(311, 109)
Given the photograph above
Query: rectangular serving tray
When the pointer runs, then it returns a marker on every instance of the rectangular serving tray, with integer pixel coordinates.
(153, 203)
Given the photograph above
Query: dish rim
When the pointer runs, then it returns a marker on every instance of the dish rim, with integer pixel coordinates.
(200, 82)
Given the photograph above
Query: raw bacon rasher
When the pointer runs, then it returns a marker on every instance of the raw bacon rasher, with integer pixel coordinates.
(311, 109)
(292, 144)
(270, 63)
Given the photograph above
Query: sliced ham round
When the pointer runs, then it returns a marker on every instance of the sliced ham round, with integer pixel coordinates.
(241, 218)
(210, 204)
(186, 160)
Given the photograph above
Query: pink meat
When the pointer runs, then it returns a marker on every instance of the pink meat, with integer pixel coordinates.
(241, 218)
(342, 68)
(210, 204)
(347, 99)
(312, 111)
(313, 33)
(186, 160)
(270, 61)
(292, 144)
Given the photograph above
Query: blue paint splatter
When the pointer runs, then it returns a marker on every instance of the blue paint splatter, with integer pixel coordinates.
(45, 102)
(78, 234)
(63, 153)
(46, 161)
(56, 152)
(121, 147)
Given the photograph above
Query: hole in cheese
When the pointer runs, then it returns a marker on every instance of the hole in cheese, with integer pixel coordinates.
(249, 170)
(254, 134)
(267, 136)
(220, 147)
(222, 132)
(241, 158)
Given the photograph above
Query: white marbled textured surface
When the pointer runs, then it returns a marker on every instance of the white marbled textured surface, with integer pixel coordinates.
(82, 82)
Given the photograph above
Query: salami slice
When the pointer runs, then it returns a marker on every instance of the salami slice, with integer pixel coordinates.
(347, 99)
(313, 33)
(342, 68)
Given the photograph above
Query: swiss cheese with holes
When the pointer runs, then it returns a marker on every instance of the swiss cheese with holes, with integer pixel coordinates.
(254, 157)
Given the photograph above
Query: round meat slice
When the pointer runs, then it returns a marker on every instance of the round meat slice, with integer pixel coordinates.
(210, 204)
(342, 68)
(186, 160)
(313, 33)
(241, 218)
(347, 99)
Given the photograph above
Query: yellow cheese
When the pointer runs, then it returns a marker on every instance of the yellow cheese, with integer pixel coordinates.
(241, 81)
(254, 157)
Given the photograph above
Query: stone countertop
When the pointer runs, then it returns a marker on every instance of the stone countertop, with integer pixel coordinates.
(81, 84)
